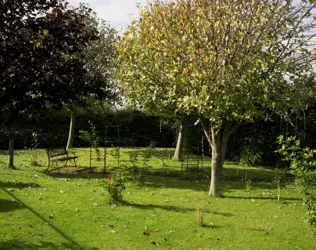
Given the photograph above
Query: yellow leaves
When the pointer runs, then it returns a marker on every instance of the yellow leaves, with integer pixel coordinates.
(188, 72)
(206, 60)
(216, 24)
(187, 26)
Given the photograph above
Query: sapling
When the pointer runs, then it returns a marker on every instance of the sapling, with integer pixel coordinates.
(248, 185)
(200, 216)
(277, 180)
(92, 138)
(34, 147)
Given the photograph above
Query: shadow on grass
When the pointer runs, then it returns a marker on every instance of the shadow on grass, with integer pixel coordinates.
(262, 198)
(98, 173)
(231, 185)
(172, 208)
(72, 243)
(219, 213)
(208, 225)
(166, 182)
(153, 153)
(15, 244)
(84, 174)
(165, 207)
(256, 229)
(7, 206)
(18, 185)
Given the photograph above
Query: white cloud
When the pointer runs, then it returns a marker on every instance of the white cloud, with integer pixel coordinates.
(119, 13)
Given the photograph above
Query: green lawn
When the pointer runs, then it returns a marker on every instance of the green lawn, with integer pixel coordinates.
(54, 210)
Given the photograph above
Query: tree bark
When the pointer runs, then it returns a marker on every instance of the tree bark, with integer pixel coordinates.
(178, 153)
(216, 167)
(218, 145)
(11, 150)
(71, 134)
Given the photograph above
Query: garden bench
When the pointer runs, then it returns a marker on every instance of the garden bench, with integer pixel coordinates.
(56, 155)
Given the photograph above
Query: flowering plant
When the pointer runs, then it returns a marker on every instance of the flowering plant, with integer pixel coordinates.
(114, 185)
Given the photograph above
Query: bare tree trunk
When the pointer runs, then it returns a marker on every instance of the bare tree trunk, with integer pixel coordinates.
(216, 167)
(71, 134)
(11, 150)
(178, 156)
(218, 145)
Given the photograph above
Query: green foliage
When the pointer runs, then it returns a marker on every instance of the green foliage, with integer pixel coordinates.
(303, 166)
(213, 63)
(91, 137)
(114, 185)
(133, 157)
(302, 161)
(277, 177)
(43, 56)
(137, 129)
(310, 201)
(249, 156)
(148, 153)
(207, 64)
(116, 153)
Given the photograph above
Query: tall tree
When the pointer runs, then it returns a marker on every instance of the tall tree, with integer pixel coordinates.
(99, 55)
(41, 59)
(223, 61)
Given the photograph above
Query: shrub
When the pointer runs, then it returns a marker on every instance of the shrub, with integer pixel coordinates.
(303, 167)
(114, 185)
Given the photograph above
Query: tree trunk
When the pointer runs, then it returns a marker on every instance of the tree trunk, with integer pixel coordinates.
(71, 134)
(218, 145)
(216, 167)
(11, 150)
(178, 153)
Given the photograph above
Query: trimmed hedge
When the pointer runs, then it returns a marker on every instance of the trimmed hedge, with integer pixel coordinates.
(125, 128)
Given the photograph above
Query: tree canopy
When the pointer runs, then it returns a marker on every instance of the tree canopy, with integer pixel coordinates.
(223, 61)
(42, 59)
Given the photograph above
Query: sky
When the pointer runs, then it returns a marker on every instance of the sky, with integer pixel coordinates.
(118, 13)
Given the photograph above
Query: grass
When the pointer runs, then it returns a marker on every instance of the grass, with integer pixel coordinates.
(40, 210)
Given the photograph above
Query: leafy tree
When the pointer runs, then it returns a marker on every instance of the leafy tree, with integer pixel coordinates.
(41, 59)
(223, 61)
(99, 55)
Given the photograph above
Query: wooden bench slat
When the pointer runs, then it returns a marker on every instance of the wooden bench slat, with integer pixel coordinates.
(59, 154)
